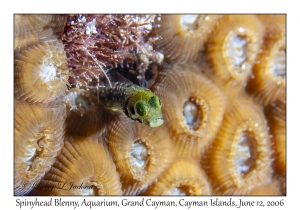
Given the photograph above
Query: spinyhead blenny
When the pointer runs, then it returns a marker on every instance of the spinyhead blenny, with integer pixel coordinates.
(138, 103)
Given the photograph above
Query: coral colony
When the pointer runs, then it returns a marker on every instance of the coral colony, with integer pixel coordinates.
(218, 82)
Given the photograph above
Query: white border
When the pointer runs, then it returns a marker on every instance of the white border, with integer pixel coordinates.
(153, 6)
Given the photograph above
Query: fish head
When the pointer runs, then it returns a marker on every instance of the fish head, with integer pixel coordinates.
(145, 107)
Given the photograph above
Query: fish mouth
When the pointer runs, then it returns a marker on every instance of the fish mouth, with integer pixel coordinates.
(157, 122)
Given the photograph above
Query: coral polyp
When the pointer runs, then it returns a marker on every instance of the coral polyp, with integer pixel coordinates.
(84, 167)
(240, 156)
(39, 135)
(214, 122)
(182, 36)
(269, 73)
(41, 72)
(31, 29)
(140, 152)
(183, 177)
(232, 50)
(193, 108)
(276, 115)
(269, 189)
(85, 116)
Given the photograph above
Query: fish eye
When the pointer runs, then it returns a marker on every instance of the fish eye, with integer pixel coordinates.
(154, 102)
(140, 108)
(131, 108)
(159, 102)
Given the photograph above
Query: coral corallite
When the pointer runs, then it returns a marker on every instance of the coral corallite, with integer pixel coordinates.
(140, 152)
(232, 50)
(183, 177)
(31, 29)
(39, 135)
(182, 36)
(239, 158)
(192, 107)
(85, 116)
(268, 82)
(221, 80)
(84, 167)
(41, 72)
(276, 115)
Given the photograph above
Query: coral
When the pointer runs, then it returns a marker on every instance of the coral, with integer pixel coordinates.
(41, 72)
(232, 50)
(272, 188)
(85, 115)
(183, 177)
(239, 158)
(268, 82)
(140, 152)
(182, 36)
(192, 108)
(31, 29)
(223, 105)
(84, 167)
(276, 115)
(270, 19)
(39, 135)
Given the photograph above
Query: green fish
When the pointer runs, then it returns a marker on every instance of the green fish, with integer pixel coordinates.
(138, 103)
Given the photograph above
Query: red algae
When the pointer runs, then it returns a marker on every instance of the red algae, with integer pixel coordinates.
(95, 43)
